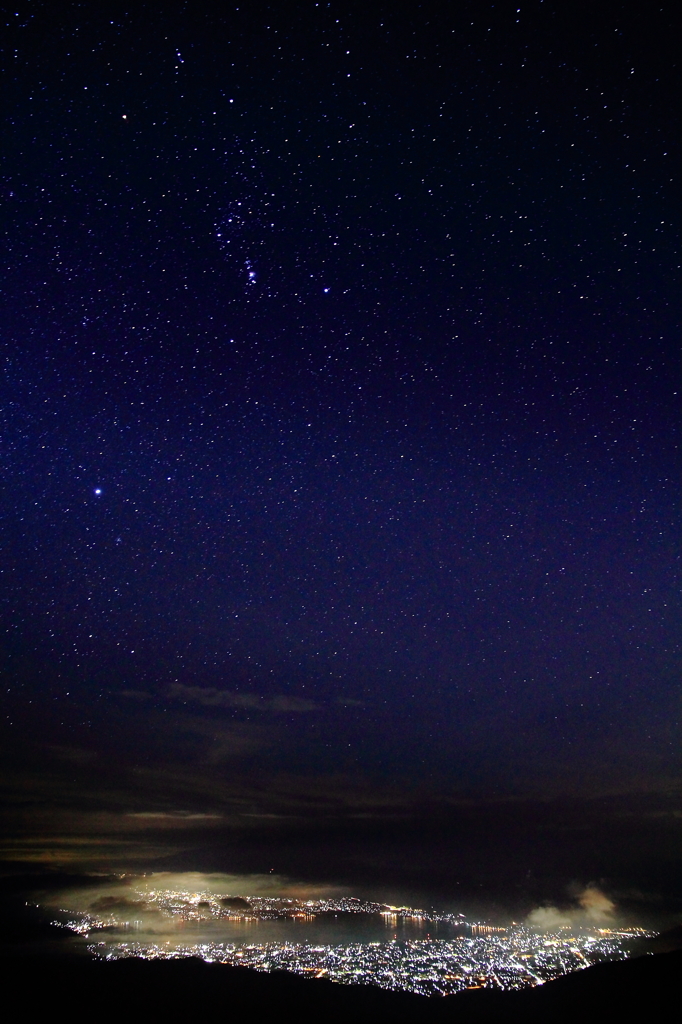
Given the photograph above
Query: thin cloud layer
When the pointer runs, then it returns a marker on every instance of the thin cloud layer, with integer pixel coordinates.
(211, 697)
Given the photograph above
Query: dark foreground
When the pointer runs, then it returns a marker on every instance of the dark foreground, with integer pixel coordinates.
(40, 988)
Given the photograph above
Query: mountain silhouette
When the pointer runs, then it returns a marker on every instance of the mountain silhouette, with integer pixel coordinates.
(170, 991)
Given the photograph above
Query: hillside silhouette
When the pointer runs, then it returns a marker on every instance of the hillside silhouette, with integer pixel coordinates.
(190, 989)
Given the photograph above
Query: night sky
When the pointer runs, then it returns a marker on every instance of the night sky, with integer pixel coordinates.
(339, 473)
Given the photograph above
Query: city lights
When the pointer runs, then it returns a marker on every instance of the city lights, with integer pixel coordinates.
(475, 955)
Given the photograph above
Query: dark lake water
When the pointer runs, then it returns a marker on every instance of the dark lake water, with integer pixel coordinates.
(323, 929)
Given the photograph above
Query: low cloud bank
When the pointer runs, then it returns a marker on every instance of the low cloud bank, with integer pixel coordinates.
(135, 890)
(135, 908)
(591, 907)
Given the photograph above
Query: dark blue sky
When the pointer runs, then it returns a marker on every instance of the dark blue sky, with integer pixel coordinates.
(340, 352)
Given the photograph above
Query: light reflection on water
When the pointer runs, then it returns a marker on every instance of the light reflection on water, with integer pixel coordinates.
(327, 929)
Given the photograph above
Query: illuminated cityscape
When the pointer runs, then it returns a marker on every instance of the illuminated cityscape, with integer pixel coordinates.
(516, 959)
(410, 955)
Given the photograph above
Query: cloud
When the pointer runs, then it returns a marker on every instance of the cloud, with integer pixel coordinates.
(209, 696)
(133, 890)
(220, 883)
(222, 741)
(593, 907)
(596, 904)
(175, 816)
(547, 919)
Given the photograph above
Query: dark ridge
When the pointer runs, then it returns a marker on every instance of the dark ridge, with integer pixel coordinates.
(189, 989)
